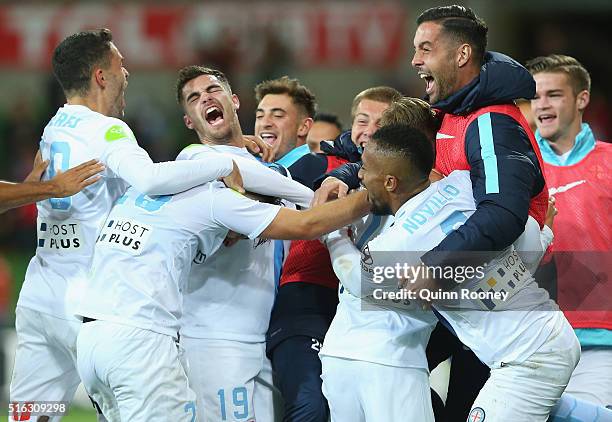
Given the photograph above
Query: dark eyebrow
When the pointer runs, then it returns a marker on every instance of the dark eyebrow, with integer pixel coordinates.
(190, 96)
(424, 44)
(212, 86)
(272, 110)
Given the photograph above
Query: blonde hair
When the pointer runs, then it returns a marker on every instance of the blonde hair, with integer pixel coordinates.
(412, 112)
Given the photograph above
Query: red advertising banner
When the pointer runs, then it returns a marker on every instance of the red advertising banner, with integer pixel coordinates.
(369, 33)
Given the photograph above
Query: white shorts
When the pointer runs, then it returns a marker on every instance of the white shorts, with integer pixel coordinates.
(592, 378)
(134, 374)
(359, 391)
(529, 390)
(45, 359)
(232, 380)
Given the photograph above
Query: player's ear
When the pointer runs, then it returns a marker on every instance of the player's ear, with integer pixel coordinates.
(188, 122)
(99, 78)
(464, 52)
(582, 100)
(390, 183)
(304, 127)
(235, 101)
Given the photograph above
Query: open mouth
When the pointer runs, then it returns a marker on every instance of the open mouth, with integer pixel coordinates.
(546, 118)
(268, 137)
(214, 116)
(429, 82)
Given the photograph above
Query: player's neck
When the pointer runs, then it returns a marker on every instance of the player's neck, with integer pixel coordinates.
(93, 103)
(234, 139)
(399, 200)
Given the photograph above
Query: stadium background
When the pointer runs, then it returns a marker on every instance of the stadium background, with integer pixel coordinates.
(336, 48)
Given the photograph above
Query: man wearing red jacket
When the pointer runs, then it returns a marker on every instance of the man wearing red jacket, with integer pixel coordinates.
(484, 132)
(578, 171)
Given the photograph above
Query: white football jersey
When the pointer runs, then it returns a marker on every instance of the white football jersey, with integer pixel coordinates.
(372, 333)
(67, 227)
(146, 248)
(508, 331)
(256, 178)
(230, 294)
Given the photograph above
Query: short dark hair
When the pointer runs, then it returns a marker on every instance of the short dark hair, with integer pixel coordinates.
(330, 118)
(412, 112)
(462, 24)
(75, 58)
(578, 76)
(406, 142)
(300, 95)
(189, 73)
(382, 94)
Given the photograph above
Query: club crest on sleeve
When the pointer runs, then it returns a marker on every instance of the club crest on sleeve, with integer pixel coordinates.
(476, 415)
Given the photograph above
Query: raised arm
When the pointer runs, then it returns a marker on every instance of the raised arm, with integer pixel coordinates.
(257, 178)
(133, 164)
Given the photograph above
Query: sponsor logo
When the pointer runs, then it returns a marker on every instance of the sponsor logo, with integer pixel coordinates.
(565, 188)
(115, 133)
(127, 235)
(65, 235)
(444, 136)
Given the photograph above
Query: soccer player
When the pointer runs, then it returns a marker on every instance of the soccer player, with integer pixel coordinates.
(227, 308)
(140, 283)
(524, 339)
(368, 354)
(325, 127)
(90, 69)
(284, 115)
(13, 195)
(577, 169)
(307, 296)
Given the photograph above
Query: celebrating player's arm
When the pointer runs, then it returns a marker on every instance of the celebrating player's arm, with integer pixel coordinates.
(275, 222)
(346, 261)
(256, 178)
(132, 163)
(32, 189)
(312, 223)
(124, 157)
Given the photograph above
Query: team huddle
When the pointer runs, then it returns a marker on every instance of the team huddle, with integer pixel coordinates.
(222, 287)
